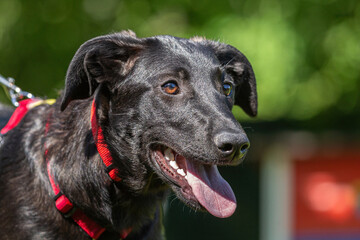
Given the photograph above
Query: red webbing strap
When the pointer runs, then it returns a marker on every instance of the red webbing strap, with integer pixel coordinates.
(101, 144)
(18, 114)
(64, 205)
(125, 233)
(105, 154)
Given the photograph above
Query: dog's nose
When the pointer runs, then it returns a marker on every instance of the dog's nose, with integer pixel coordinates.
(232, 146)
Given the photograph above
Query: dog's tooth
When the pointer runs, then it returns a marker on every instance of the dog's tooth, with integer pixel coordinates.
(174, 165)
(181, 172)
(168, 154)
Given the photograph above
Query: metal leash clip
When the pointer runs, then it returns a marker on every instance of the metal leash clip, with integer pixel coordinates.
(16, 94)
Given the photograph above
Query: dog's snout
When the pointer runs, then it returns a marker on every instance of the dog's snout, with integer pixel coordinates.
(232, 146)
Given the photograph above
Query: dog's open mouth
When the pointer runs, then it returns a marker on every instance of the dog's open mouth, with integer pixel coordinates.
(201, 183)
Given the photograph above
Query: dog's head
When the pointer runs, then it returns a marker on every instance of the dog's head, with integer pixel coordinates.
(165, 106)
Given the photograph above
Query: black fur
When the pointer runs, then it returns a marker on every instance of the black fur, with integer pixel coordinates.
(125, 75)
(5, 113)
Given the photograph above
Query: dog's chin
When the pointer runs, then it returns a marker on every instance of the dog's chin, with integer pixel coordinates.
(197, 184)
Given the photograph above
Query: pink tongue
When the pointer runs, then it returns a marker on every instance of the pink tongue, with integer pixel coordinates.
(211, 190)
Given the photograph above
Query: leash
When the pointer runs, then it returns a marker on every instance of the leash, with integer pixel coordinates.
(15, 93)
(23, 101)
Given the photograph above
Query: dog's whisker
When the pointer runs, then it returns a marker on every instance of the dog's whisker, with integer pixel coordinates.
(249, 129)
(228, 63)
(173, 196)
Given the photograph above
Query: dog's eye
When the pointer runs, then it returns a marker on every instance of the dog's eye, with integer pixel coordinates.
(227, 88)
(171, 88)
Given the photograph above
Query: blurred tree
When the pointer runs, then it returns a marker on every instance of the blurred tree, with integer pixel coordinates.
(305, 53)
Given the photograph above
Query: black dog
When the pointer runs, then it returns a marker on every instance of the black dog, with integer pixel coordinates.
(159, 108)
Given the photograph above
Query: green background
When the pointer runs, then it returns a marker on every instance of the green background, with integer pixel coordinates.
(305, 54)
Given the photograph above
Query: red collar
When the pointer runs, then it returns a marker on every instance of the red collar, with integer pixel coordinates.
(64, 205)
(102, 146)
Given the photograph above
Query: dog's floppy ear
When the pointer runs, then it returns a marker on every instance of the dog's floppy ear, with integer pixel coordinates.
(105, 59)
(237, 65)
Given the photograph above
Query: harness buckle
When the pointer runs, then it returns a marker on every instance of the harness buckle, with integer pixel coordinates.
(63, 205)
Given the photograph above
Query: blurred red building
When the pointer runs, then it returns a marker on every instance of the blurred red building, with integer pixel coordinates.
(310, 189)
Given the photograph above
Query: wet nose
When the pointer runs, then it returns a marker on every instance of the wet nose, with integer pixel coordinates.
(232, 145)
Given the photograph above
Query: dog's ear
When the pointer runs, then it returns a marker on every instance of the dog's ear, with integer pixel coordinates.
(105, 59)
(237, 65)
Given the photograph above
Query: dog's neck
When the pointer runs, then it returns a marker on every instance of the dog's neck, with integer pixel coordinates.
(71, 146)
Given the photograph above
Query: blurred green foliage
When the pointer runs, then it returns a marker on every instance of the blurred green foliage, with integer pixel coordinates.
(306, 54)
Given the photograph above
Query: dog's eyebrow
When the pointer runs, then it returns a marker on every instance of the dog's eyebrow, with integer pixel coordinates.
(183, 73)
(176, 72)
(217, 72)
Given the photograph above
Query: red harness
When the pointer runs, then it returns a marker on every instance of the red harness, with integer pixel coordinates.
(18, 114)
(62, 203)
